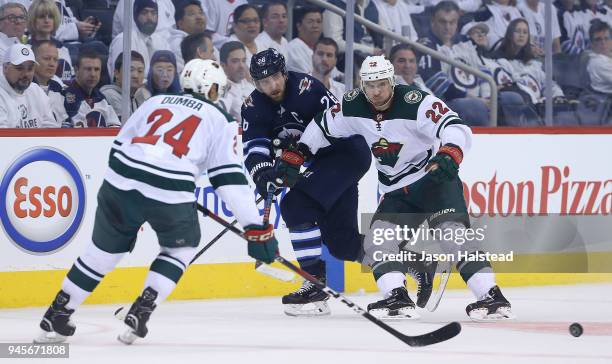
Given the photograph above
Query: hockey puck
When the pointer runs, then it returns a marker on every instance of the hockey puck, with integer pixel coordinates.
(575, 329)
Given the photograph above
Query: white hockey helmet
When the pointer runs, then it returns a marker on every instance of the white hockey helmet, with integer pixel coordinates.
(377, 68)
(199, 76)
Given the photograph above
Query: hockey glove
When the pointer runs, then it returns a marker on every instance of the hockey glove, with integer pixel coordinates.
(263, 177)
(288, 166)
(444, 166)
(262, 245)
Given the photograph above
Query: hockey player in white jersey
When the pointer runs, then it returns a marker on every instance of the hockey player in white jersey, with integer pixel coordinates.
(153, 165)
(418, 143)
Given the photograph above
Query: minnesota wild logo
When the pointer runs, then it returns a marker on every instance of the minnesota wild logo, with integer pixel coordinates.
(386, 153)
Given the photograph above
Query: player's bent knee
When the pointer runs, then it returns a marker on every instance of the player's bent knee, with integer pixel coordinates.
(298, 209)
(184, 255)
(99, 260)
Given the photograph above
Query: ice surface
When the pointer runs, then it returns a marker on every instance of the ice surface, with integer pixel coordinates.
(255, 331)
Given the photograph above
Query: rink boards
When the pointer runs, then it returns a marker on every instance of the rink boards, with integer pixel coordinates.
(49, 185)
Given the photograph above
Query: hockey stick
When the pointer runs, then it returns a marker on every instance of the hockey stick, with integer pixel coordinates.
(214, 240)
(444, 333)
(280, 274)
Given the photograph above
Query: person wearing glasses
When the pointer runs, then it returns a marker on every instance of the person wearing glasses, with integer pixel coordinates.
(246, 28)
(13, 18)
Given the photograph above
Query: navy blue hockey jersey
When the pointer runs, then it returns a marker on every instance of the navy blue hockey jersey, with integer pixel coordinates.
(264, 120)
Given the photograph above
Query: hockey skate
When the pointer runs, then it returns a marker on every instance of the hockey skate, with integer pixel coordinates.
(306, 301)
(423, 273)
(137, 317)
(493, 307)
(397, 306)
(56, 325)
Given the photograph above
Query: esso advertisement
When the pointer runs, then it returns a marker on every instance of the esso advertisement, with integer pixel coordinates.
(44, 200)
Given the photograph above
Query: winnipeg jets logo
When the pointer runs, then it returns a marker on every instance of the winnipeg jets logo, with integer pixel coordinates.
(248, 102)
(372, 64)
(385, 152)
(305, 84)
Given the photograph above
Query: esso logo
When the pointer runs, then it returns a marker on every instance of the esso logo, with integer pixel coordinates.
(44, 200)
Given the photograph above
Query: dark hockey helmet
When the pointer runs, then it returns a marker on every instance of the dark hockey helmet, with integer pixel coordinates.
(266, 63)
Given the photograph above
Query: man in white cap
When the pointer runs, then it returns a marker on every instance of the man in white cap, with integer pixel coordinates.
(23, 104)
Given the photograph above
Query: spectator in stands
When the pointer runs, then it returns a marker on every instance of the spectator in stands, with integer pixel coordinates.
(600, 59)
(84, 103)
(516, 56)
(404, 60)
(533, 11)
(190, 19)
(466, 6)
(47, 57)
(364, 42)
(274, 16)
(23, 104)
(608, 8)
(448, 82)
(497, 15)
(572, 25)
(394, 15)
(165, 21)
(220, 14)
(113, 93)
(308, 21)
(72, 29)
(477, 33)
(161, 79)
(233, 62)
(324, 60)
(198, 45)
(246, 28)
(13, 20)
(592, 11)
(43, 21)
(145, 37)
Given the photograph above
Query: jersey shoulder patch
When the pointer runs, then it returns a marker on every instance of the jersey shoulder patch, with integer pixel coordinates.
(354, 103)
(407, 100)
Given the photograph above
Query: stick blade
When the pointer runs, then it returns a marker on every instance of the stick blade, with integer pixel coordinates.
(444, 333)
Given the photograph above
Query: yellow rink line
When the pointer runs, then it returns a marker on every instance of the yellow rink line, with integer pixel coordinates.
(228, 280)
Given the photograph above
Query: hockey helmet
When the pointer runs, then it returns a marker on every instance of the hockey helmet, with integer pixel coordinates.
(199, 76)
(377, 68)
(266, 63)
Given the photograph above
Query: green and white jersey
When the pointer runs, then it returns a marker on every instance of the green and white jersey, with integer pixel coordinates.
(402, 139)
(169, 142)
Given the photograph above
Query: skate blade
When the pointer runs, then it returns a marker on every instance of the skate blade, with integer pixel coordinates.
(307, 310)
(444, 273)
(46, 337)
(128, 337)
(407, 313)
(502, 314)
(120, 313)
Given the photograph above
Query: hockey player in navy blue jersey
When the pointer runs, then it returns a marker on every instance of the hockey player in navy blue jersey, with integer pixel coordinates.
(322, 206)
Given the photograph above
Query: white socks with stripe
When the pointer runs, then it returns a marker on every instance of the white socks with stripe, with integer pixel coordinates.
(88, 270)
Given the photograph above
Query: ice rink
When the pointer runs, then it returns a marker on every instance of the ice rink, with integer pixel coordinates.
(256, 331)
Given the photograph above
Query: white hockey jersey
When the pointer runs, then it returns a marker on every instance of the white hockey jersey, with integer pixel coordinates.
(536, 21)
(402, 140)
(169, 142)
(530, 77)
